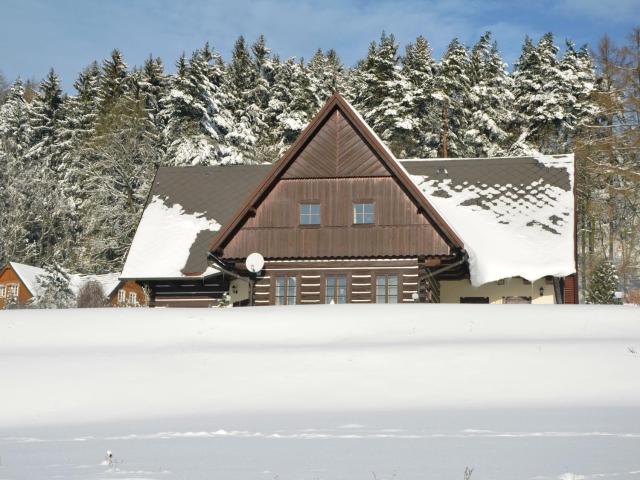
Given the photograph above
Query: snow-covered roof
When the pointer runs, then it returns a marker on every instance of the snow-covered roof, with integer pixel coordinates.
(29, 276)
(187, 207)
(514, 215)
(108, 281)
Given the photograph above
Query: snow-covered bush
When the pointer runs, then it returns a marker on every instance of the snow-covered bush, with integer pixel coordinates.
(603, 284)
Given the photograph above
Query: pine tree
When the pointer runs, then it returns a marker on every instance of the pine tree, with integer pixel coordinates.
(603, 284)
(419, 68)
(452, 92)
(490, 100)
(577, 88)
(380, 93)
(55, 287)
(15, 126)
(259, 97)
(539, 98)
(15, 132)
(291, 104)
(197, 112)
(153, 88)
(114, 82)
(326, 76)
(45, 121)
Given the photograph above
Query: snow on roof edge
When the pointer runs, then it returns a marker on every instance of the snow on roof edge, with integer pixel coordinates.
(28, 274)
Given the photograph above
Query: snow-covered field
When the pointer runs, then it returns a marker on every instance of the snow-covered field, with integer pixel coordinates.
(322, 392)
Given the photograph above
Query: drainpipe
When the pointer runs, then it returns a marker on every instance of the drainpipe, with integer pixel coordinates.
(446, 268)
(464, 258)
(224, 268)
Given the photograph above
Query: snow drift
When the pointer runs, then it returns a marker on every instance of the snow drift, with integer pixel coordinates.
(73, 366)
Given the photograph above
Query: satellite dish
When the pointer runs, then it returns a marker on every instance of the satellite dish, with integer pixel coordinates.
(255, 262)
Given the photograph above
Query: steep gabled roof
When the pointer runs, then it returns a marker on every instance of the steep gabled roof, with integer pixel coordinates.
(386, 157)
(29, 276)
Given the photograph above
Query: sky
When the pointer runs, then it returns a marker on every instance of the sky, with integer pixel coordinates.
(67, 35)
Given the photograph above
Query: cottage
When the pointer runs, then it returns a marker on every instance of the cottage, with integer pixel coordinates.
(21, 284)
(338, 219)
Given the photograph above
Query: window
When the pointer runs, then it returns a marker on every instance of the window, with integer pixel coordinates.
(122, 296)
(474, 299)
(12, 290)
(336, 289)
(363, 213)
(285, 290)
(2, 291)
(133, 298)
(387, 289)
(516, 299)
(309, 214)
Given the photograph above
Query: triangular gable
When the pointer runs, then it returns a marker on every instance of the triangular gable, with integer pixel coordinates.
(336, 143)
(336, 149)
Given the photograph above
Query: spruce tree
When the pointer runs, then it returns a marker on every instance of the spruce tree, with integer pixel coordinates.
(539, 100)
(114, 82)
(419, 68)
(490, 101)
(45, 119)
(153, 87)
(603, 284)
(452, 93)
(55, 287)
(380, 93)
(326, 76)
(291, 104)
(15, 126)
(197, 114)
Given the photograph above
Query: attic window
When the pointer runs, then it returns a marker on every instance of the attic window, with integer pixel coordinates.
(122, 295)
(2, 291)
(309, 214)
(363, 213)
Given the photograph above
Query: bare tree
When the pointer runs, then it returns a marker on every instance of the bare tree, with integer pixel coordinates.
(91, 295)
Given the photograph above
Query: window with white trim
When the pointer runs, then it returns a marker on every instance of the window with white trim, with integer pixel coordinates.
(12, 290)
(336, 289)
(133, 298)
(285, 290)
(122, 296)
(309, 214)
(364, 213)
(3, 291)
(387, 289)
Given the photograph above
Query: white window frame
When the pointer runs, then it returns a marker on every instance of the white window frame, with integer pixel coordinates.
(133, 298)
(310, 213)
(13, 286)
(122, 296)
(3, 290)
(364, 213)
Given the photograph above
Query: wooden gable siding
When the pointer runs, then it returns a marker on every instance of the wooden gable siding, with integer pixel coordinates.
(129, 286)
(8, 276)
(336, 150)
(399, 229)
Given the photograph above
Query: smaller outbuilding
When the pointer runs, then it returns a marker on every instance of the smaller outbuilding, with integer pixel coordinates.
(21, 285)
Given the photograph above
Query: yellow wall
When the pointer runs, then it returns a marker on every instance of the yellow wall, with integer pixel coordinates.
(451, 291)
